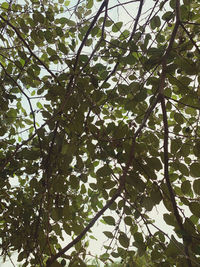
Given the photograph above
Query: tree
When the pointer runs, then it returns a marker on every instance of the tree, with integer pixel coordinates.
(99, 113)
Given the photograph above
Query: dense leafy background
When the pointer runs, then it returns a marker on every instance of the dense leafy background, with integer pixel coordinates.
(99, 112)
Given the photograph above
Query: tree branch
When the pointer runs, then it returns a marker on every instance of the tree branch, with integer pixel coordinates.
(29, 49)
(99, 42)
(190, 37)
(115, 196)
(166, 174)
(131, 37)
(104, 4)
(87, 228)
(166, 130)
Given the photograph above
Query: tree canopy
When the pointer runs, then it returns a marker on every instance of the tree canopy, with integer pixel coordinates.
(99, 120)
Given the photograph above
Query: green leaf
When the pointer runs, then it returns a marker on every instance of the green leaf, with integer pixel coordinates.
(186, 187)
(38, 17)
(196, 149)
(195, 208)
(63, 48)
(138, 237)
(12, 114)
(175, 145)
(155, 255)
(154, 163)
(69, 22)
(128, 220)
(195, 169)
(196, 186)
(51, 51)
(155, 22)
(189, 227)
(5, 6)
(185, 150)
(48, 35)
(89, 4)
(130, 59)
(108, 22)
(168, 15)
(74, 181)
(178, 118)
(148, 204)
(109, 220)
(59, 31)
(175, 248)
(108, 234)
(172, 4)
(155, 195)
(104, 171)
(183, 169)
(104, 256)
(124, 35)
(30, 154)
(67, 3)
(39, 105)
(31, 72)
(169, 219)
(124, 240)
(117, 26)
(3, 130)
(22, 54)
(63, 77)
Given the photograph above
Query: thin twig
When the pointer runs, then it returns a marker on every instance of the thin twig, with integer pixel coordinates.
(105, 2)
(190, 37)
(29, 49)
(131, 37)
(99, 42)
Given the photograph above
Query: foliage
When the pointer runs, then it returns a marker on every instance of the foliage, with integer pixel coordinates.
(99, 108)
